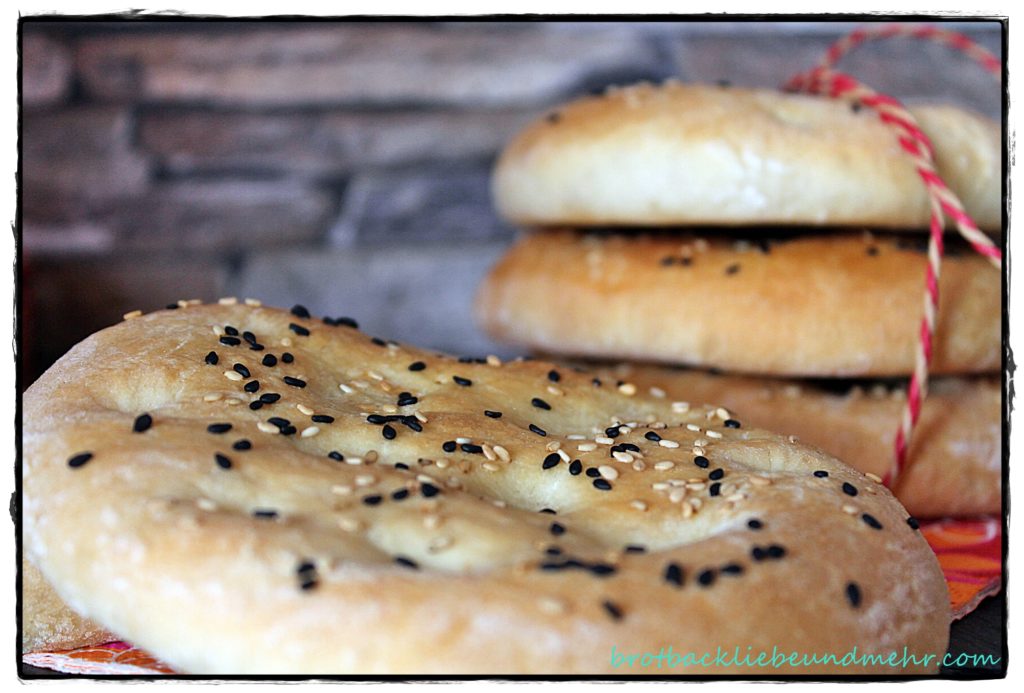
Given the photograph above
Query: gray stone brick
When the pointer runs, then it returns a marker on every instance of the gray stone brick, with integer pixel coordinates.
(45, 70)
(905, 68)
(421, 295)
(317, 144)
(289, 64)
(193, 218)
(425, 205)
(76, 157)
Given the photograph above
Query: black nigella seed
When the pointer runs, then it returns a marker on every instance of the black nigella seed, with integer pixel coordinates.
(550, 461)
(651, 435)
(716, 474)
(706, 577)
(417, 366)
(142, 423)
(212, 358)
(464, 382)
(732, 269)
(755, 524)
(429, 490)
(596, 382)
(612, 609)
(539, 403)
(853, 594)
(335, 455)
(269, 360)
(289, 431)
(251, 386)
(821, 473)
(372, 500)
(413, 423)
(346, 322)
(674, 574)
(249, 337)
(731, 569)
(218, 428)
(401, 465)
(757, 553)
(400, 494)
(636, 548)
(553, 551)
(230, 341)
(231, 331)
(557, 529)
(222, 461)
(242, 444)
(554, 376)
(602, 485)
(287, 357)
(388, 432)
(715, 488)
(298, 329)
(732, 423)
(913, 523)
(300, 311)
(449, 446)
(378, 341)
(538, 430)
(79, 459)
(575, 467)
(269, 397)
(322, 418)
(278, 421)
(602, 569)
(407, 400)
(492, 414)
(870, 521)
(377, 419)
(548, 511)
(775, 551)
(406, 562)
(849, 489)
(294, 382)
(701, 461)
(241, 370)
(256, 405)
(472, 448)
(265, 514)
(256, 347)
(612, 431)
(593, 473)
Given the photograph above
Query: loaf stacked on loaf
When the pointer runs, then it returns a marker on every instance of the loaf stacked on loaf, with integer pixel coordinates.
(238, 489)
(764, 234)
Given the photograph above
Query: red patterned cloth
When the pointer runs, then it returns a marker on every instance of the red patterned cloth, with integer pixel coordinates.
(969, 551)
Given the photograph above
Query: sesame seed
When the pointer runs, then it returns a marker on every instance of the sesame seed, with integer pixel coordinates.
(304, 409)
(222, 461)
(142, 423)
(538, 430)
(79, 459)
(132, 315)
(874, 477)
(870, 521)
(638, 504)
(628, 389)
(664, 466)
(713, 434)
(604, 441)
(310, 431)
(853, 594)
(464, 382)
(668, 443)
(212, 396)
(622, 456)
(232, 375)
(612, 609)
(218, 428)
(267, 428)
(849, 489)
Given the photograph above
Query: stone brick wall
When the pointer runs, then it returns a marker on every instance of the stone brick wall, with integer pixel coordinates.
(340, 165)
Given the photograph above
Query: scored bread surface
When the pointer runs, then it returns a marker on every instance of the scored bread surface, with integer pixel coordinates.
(818, 305)
(380, 520)
(683, 154)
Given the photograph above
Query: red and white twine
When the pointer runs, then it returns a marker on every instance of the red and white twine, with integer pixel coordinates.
(822, 79)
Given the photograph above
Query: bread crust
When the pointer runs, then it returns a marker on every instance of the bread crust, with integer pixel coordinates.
(823, 305)
(157, 541)
(681, 154)
(954, 465)
(47, 623)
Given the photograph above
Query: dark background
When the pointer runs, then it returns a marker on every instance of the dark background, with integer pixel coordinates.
(345, 165)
